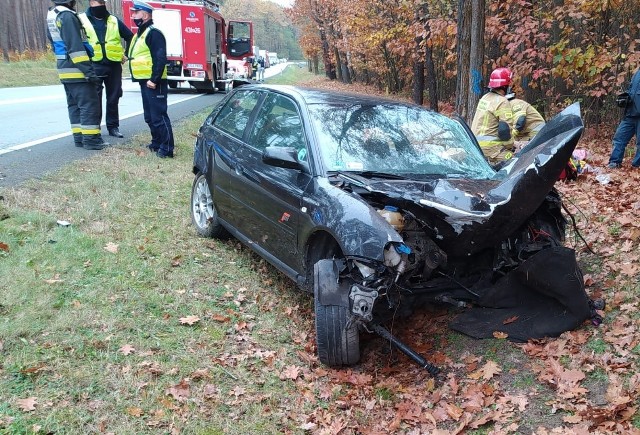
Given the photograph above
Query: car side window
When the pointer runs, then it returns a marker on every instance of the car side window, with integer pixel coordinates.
(234, 116)
(278, 124)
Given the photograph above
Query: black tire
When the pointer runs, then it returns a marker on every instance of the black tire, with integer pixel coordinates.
(203, 211)
(337, 345)
(173, 84)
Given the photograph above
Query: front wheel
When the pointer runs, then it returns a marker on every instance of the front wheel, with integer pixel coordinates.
(203, 211)
(338, 342)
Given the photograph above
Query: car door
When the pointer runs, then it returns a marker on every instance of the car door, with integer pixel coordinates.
(224, 138)
(272, 194)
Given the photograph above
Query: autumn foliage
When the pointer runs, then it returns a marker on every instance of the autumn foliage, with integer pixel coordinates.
(560, 50)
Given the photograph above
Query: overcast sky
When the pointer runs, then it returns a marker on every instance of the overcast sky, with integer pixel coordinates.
(285, 3)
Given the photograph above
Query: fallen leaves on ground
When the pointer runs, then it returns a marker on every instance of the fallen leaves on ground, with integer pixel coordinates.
(28, 404)
(189, 320)
(127, 349)
(111, 247)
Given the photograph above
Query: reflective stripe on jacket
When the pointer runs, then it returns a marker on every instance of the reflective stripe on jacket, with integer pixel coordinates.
(492, 109)
(526, 118)
(111, 44)
(70, 46)
(140, 61)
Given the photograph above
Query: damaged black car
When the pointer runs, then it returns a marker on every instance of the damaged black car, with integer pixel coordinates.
(375, 205)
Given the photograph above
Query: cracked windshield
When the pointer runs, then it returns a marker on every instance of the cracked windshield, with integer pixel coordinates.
(395, 139)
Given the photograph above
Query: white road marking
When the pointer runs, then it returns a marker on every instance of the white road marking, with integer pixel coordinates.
(31, 100)
(61, 135)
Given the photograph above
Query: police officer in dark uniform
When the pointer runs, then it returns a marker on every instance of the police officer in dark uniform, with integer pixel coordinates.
(104, 33)
(148, 64)
(73, 54)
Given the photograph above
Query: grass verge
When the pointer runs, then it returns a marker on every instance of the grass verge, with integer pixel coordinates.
(90, 329)
(37, 69)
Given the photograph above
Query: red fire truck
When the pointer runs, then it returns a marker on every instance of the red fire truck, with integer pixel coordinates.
(202, 48)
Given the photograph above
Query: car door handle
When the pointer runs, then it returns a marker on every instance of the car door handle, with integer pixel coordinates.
(240, 170)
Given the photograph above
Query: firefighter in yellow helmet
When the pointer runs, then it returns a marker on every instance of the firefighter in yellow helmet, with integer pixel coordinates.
(73, 61)
(493, 121)
(104, 33)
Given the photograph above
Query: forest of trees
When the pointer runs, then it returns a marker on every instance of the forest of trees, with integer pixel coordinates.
(438, 51)
(560, 50)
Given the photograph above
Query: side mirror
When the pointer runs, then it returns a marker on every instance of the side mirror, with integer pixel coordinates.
(282, 157)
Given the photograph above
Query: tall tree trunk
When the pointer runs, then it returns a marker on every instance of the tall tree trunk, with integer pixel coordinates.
(417, 94)
(346, 75)
(4, 31)
(18, 30)
(470, 56)
(336, 55)
(476, 55)
(463, 52)
(432, 82)
(329, 70)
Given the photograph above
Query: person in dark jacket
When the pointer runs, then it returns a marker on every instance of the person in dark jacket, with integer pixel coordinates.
(148, 63)
(75, 70)
(105, 32)
(628, 127)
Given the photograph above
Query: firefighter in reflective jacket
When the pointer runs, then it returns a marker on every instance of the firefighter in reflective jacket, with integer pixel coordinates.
(527, 121)
(148, 65)
(76, 73)
(493, 120)
(104, 33)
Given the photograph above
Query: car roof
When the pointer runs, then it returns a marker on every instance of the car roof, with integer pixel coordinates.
(321, 96)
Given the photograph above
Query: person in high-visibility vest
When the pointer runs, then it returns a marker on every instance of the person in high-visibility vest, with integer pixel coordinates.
(493, 121)
(75, 70)
(527, 121)
(148, 64)
(105, 32)
(254, 67)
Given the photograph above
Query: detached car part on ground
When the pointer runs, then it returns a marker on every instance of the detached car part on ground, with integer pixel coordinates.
(376, 205)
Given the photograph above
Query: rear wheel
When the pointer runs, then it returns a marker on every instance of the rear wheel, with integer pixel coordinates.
(173, 84)
(203, 211)
(338, 343)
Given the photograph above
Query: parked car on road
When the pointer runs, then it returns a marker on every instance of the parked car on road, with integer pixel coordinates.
(372, 204)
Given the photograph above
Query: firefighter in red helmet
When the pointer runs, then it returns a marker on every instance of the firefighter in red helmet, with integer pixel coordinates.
(493, 120)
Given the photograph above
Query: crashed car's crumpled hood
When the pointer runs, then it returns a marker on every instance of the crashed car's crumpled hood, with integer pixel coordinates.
(474, 214)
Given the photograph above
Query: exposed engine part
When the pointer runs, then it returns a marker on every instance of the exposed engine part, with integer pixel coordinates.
(426, 256)
(365, 270)
(448, 300)
(363, 299)
(392, 258)
(415, 356)
(393, 216)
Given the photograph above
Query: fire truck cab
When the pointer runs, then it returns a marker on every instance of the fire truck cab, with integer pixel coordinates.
(201, 45)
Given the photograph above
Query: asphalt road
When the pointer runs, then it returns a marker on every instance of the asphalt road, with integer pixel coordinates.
(35, 137)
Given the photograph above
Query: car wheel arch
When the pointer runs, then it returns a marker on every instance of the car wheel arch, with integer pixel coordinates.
(319, 246)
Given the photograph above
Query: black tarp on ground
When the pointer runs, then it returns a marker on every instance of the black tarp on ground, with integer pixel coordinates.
(546, 294)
